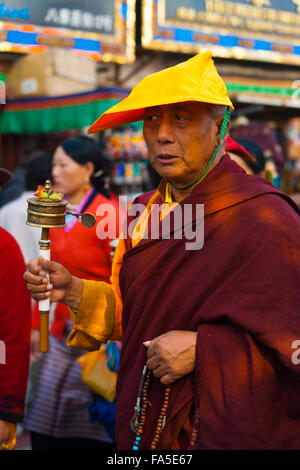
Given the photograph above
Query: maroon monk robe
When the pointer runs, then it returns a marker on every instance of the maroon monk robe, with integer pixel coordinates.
(241, 293)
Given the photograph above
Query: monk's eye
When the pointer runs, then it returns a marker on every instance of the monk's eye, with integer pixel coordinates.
(151, 117)
(179, 117)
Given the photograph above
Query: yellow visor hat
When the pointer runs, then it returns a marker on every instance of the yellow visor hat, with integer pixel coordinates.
(193, 80)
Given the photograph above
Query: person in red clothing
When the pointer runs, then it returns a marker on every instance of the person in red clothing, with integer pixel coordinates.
(15, 317)
(57, 415)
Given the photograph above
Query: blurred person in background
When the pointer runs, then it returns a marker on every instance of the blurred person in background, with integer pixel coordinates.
(17, 185)
(14, 188)
(241, 149)
(248, 155)
(13, 215)
(15, 318)
(57, 415)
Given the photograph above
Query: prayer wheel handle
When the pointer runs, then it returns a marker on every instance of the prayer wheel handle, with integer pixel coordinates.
(44, 305)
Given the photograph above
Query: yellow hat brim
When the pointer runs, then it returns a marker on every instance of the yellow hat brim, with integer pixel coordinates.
(193, 80)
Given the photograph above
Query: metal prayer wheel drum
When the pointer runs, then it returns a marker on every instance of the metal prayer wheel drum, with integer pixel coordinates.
(46, 213)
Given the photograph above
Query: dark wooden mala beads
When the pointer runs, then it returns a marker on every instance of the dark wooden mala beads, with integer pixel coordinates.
(139, 419)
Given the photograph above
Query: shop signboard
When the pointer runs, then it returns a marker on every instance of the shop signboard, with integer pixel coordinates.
(267, 30)
(104, 30)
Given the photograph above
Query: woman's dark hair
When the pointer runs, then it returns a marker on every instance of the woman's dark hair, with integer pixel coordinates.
(38, 171)
(83, 149)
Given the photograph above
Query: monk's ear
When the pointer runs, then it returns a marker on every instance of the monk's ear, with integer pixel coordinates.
(219, 122)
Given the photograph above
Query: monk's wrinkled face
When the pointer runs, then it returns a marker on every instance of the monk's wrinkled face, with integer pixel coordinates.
(181, 139)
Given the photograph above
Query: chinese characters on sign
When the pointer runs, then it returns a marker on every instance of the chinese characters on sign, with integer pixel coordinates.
(105, 30)
(79, 19)
(94, 16)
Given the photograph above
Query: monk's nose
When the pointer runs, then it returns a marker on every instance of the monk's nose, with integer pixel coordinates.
(165, 131)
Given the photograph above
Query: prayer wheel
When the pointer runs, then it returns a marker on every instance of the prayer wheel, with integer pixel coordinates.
(48, 210)
(46, 213)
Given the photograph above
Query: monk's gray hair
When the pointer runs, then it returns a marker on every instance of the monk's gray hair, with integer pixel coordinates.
(217, 110)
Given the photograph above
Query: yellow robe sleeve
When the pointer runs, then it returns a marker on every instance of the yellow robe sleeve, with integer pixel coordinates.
(99, 317)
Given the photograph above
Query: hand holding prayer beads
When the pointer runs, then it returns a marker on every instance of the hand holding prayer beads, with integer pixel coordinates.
(139, 417)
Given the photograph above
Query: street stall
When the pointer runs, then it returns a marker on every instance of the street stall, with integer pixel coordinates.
(43, 122)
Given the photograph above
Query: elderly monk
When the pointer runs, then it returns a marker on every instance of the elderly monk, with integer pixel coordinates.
(208, 334)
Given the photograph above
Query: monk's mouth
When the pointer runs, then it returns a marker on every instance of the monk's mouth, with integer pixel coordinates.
(166, 158)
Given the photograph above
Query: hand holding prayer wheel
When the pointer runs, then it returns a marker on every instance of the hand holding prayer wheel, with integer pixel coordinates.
(49, 280)
(48, 210)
